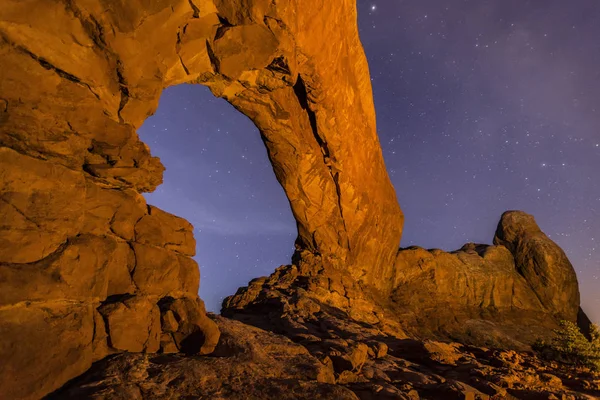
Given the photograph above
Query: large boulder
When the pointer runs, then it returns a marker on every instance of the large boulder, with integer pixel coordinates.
(185, 325)
(159, 228)
(507, 295)
(541, 262)
(162, 272)
(132, 324)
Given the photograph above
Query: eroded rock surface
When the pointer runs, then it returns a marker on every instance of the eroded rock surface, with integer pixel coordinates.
(544, 264)
(477, 295)
(297, 70)
(79, 245)
(88, 269)
(248, 363)
(99, 292)
(331, 356)
(84, 266)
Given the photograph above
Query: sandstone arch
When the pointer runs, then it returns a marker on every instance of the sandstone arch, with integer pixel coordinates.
(83, 259)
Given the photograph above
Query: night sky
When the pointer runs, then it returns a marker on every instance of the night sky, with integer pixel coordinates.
(482, 106)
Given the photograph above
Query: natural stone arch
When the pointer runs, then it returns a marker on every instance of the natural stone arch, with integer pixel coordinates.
(79, 77)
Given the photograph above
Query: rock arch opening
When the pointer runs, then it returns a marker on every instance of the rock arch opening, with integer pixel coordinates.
(218, 177)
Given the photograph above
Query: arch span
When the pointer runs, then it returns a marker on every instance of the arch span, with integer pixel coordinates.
(218, 177)
(86, 267)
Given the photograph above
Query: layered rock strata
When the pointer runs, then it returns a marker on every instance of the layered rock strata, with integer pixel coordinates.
(86, 268)
(103, 273)
(76, 87)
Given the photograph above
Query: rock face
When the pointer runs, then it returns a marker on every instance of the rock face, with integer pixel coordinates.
(79, 248)
(472, 295)
(104, 64)
(543, 264)
(98, 292)
(88, 269)
(521, 287)
(481, 294)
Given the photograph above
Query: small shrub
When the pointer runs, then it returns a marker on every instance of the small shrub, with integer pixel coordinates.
(570, 346)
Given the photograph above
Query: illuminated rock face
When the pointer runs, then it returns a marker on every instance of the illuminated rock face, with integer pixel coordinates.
(486, 295)
(86, 267)
(505, 295)
(541, 262)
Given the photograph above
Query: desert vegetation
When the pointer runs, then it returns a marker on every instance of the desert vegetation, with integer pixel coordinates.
(570, 346)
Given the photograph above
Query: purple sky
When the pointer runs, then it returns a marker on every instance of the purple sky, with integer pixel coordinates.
(482, 106)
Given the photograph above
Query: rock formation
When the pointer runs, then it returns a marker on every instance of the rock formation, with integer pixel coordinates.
(99, 271)
(88, 269)
(479, 294)
(541, 262)
(521, 286)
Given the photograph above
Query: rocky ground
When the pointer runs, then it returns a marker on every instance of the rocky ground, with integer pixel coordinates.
(341, 359)
(328, 355)
(458, 325)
